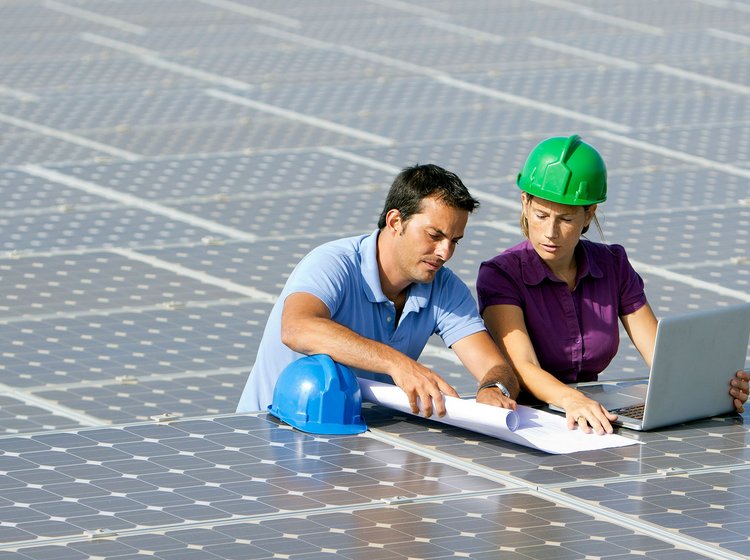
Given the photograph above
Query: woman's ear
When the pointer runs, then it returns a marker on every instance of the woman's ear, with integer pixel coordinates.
(590, 212)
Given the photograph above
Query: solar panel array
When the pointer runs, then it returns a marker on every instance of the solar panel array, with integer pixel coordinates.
(165, 163)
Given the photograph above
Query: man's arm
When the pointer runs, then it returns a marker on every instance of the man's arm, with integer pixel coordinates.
(481, 356)
(307, 328)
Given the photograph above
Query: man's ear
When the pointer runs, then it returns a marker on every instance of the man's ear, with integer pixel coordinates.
(393, 221)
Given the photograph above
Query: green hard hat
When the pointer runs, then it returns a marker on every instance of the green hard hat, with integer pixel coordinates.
(565, 170)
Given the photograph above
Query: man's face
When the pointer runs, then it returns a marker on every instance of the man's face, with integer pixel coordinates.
(426, 241)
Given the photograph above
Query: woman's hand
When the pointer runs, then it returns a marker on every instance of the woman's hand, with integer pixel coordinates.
(740, 385)
(588, 415)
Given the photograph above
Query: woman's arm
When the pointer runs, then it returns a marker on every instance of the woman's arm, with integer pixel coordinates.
(641, 328)
(507, 326)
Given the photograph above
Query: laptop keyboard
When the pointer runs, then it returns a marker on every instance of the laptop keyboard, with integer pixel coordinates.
(635, 411)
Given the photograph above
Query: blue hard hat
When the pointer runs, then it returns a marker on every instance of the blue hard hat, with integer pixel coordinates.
(317, 395)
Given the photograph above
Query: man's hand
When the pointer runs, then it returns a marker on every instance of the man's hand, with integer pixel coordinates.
(423, 387)
(494, 397)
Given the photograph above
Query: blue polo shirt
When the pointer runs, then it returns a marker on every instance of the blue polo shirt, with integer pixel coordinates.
(343, 274)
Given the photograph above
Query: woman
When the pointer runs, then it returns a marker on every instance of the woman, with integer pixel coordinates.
(552, 303)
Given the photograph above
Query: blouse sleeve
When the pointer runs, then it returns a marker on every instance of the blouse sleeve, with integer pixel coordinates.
(632, 294)
(497, 286)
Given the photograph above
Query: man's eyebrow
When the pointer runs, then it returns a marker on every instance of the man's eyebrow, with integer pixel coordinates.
(441, 232)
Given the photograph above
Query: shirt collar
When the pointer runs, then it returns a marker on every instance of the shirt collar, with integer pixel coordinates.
(534, 271)
(418, 294)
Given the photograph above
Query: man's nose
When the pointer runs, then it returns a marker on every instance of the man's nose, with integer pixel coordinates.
(444, 249)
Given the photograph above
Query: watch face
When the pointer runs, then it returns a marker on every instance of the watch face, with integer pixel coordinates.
(503, 390)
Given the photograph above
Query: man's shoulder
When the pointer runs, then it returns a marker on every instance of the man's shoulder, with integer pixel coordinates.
(345, 247)
(446, 280)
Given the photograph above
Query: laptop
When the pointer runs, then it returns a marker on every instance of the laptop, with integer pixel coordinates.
(695, 357)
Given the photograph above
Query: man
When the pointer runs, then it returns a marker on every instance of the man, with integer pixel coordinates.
(371, 302)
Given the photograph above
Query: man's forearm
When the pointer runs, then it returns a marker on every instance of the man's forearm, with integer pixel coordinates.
(505, 375)
(325, 336)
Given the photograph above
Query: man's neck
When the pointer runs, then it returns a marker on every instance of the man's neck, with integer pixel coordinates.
(393, 287)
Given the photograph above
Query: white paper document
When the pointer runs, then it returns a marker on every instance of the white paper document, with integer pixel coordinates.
(525, 426)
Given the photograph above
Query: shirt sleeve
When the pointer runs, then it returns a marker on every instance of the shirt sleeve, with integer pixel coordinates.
(456, 315)
(632, 294)
(323, 274)
(497, 286)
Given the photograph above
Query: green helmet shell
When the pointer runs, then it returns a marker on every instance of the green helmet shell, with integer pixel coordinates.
(566, 171)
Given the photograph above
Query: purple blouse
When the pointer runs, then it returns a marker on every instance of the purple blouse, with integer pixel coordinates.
(575, 334)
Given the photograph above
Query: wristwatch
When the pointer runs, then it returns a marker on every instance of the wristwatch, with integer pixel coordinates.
(503, 388)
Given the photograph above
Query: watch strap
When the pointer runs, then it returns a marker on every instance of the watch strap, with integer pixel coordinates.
(503, 388)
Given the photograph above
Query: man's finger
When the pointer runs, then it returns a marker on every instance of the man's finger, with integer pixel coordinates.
(426, 402)
(447, 389)
(413, 403)
(439, 402)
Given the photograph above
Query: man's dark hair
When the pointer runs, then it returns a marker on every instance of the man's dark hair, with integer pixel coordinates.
(418, 182)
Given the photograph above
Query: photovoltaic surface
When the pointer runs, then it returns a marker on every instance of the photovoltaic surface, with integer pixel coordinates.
(165, 164)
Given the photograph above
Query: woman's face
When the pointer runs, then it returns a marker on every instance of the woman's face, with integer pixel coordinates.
(555, 229)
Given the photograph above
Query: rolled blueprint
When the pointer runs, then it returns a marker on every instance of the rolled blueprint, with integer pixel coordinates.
(524, 426)
(462, 413)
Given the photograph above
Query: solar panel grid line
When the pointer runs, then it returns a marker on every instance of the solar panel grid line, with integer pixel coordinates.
(556, 495)
(102, 534)
(354, 158)
(254, 13)
(106, 312)
(307, 119)
(62, 208)
(666, 473)
(729, 36)
(437, 455)
(72, 138)
(127, 380)
(409, 8)
(353, 51)
(689, 280)
(118, 24)
(137, 202)
(676, 154)
(451, 81)
(683, 486)
(206, 241)
(594, 15)
(253, 293)
(63, 411)
(23, 96)
(702, 78)
(469, 32)
(684, 542)
(147, 57)
(584, 53)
